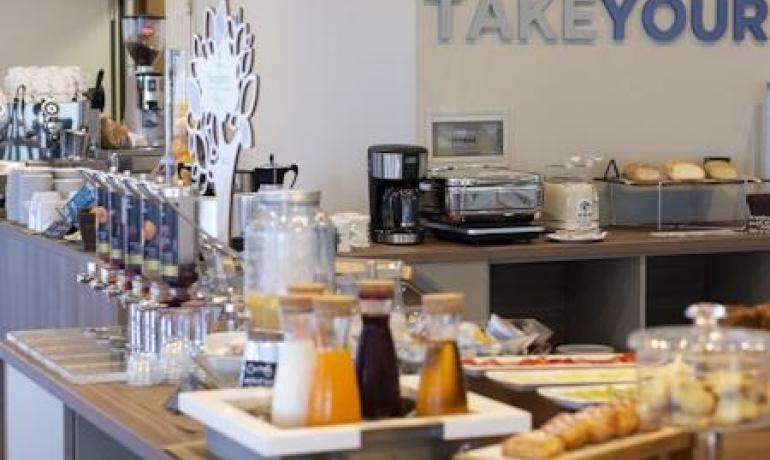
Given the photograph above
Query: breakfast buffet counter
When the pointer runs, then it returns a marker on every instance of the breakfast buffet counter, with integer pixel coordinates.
(131, 422)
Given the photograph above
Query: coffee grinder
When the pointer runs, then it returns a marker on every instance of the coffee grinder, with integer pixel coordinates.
(395, 172)
(144, 39)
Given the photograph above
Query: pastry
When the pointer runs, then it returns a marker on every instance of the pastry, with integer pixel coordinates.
(626, 417)
(573, 433)
(692, 398)
(683, 170)
(601, 423)
(720, 169)
(534, 445)
(763, 314)
(642, 172)
(743, 316)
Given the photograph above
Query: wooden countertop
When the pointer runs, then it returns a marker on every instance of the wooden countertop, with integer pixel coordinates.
(133, 416)
(621, 242)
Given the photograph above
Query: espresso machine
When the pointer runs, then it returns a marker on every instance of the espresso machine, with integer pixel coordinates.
(143, 37)
(395, 172)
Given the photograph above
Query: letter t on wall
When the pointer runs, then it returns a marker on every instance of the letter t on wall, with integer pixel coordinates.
(444, 18)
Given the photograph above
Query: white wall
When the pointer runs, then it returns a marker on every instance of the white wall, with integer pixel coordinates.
(56, 32)
(632, 100)
(337, 76)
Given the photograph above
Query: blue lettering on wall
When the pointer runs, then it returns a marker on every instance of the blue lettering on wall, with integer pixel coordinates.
(619, 15)
(698, 21)
(674, 30)
(753, 23)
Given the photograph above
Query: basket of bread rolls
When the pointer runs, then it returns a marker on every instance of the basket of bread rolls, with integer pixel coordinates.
(713, 170)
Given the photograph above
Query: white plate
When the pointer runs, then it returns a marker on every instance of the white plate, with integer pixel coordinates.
(510, 362)
(577, 237)
(563, 395)
(524, 380)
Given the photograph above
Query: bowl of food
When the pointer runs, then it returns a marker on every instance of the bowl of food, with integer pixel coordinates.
(224, 351)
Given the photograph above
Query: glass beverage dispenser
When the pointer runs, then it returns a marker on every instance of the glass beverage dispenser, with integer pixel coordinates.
(290, 241)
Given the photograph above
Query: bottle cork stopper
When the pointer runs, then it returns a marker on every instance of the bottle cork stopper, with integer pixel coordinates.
(375, 289)
(445, 302)
(334, 305)
(307, 288)
(296, 303)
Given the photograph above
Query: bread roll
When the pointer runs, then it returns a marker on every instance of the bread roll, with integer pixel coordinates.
(642, 172)
(683, 170)
(722, 170)
(627, 418)
(534, 445)
(571, 432)
(601, 423)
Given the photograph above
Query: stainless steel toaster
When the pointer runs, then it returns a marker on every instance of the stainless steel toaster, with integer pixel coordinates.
(462, 194)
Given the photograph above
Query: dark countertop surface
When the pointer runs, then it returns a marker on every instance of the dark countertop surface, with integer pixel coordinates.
(621, 242)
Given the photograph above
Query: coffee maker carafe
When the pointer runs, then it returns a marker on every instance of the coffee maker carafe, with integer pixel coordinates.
(394, 178)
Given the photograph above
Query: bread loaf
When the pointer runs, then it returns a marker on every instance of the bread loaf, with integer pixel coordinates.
(722, 170)
(642, 172)
(534, 445)
(683, 170)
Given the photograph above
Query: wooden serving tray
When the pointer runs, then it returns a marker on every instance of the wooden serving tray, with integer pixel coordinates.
(637, 447)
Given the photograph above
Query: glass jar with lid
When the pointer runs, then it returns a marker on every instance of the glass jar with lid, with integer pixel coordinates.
(571, 201)
(703, 378)
(290, 240)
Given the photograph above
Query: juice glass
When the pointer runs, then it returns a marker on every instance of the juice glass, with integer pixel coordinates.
(376, 364)
(334, 396)
(296, 362)
(442, 388)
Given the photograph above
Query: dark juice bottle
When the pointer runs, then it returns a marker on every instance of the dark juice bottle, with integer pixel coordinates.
(442, 388)
(376, 363)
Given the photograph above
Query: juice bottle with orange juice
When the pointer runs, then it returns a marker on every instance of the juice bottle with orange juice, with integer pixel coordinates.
(442, 388)
(334, 396)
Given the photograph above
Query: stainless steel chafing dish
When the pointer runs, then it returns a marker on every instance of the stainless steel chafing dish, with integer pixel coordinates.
(462, 194)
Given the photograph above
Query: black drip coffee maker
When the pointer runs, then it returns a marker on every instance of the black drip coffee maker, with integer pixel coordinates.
(394, 196)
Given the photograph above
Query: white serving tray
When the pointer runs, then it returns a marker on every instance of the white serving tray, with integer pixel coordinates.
(225, 411)
(511, 362)
(561, 395)
(530, 379)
